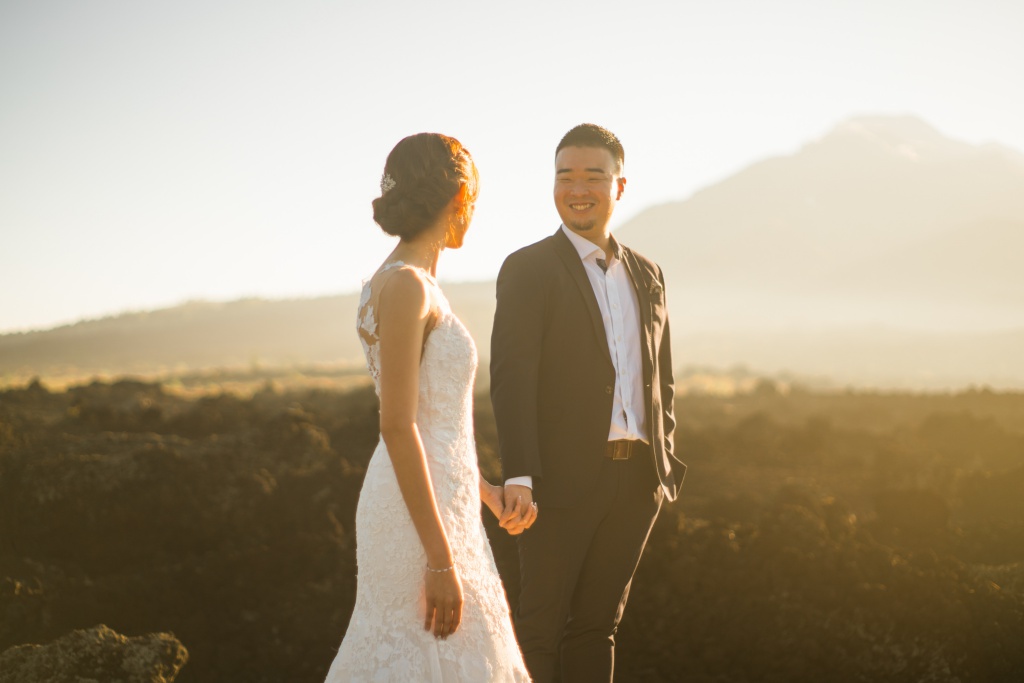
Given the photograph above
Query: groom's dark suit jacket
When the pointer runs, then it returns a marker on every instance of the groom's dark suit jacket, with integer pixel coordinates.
(552, 378)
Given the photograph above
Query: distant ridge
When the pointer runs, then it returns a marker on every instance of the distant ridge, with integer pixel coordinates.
(194, 335)
(299, 333)
(203, 335)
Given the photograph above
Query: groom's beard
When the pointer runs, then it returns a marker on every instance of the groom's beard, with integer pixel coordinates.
(579, 226)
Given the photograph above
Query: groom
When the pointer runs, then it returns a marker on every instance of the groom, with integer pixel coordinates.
(581, 383)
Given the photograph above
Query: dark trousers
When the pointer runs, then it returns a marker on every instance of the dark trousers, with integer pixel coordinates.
(576, 565)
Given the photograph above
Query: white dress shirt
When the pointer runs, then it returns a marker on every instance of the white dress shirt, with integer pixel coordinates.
(620, 312)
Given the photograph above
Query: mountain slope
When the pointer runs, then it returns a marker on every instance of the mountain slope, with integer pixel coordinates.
(877, 194)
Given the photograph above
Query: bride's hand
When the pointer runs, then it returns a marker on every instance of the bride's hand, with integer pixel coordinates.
(493, 497)
(444, 602)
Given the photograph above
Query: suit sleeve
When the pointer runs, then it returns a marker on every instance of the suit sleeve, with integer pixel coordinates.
(668, 390)
(516, 342)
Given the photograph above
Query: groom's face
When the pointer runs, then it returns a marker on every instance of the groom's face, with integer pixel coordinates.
(587, 185)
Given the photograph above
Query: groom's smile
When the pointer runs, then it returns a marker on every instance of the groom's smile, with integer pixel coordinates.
(587, 185)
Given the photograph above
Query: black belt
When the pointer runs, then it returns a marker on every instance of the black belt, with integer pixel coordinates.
(624, 449)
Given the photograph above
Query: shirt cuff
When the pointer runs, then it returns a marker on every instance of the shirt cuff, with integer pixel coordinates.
(526, 481)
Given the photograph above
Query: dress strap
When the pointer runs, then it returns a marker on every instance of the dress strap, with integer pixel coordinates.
(389, 266)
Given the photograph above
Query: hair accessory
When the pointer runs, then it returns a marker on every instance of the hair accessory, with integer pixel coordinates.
(386, 183)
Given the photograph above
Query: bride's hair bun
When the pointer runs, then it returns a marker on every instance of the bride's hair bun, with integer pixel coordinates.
(422, 174)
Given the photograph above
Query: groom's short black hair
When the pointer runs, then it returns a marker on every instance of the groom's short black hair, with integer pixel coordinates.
(593, 135)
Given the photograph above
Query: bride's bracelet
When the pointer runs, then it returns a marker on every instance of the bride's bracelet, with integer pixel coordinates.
(441, 571)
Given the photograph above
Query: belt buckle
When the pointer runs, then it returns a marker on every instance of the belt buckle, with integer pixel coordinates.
(621, 450)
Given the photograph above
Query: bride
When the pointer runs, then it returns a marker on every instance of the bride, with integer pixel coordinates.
(429, 602)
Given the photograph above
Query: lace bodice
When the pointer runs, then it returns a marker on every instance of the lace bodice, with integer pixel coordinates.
(366, 325)
(366, 317)
(449, 360)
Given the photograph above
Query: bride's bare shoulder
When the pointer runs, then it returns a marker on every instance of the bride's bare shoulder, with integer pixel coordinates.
(404, 291)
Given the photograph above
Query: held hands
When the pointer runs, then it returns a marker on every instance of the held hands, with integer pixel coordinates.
(512, 505)
(444, 601)
(520, 511)
(492, 497)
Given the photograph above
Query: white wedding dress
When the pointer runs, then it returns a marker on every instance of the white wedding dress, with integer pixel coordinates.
(386, 640)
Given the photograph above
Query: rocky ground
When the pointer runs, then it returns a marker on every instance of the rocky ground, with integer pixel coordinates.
(96, 654)
(840, 537)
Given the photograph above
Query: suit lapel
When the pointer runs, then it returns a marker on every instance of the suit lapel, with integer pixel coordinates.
(643, 296)
(643, 289)
(571, 258)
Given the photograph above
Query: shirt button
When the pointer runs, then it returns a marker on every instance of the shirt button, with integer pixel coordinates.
(608, 389)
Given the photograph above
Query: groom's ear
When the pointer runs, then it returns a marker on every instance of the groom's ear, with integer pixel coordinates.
(621, 182)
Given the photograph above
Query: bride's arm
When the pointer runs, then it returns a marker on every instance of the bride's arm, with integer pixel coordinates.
(404, 310)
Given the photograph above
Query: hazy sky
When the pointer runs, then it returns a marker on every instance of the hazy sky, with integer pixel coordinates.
(155, 152)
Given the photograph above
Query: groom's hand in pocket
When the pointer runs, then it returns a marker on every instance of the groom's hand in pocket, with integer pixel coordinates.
(520, 511)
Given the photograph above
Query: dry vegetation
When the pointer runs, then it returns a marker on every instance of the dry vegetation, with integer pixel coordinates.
(821, 536)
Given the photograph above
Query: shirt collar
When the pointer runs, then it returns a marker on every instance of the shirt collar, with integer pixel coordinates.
(585, 248)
